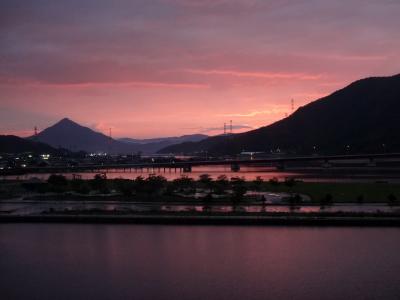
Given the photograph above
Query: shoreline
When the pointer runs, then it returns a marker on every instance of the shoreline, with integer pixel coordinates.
(208, 219)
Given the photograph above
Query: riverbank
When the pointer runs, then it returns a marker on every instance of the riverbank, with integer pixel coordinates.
(343, 219)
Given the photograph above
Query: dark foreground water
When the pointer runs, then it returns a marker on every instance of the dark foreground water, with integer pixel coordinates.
(66, 261)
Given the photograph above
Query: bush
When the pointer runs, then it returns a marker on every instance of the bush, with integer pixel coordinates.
(184, 183)
(154, 184)
(99, 183)
(221, 184)
(290, 182)
(392, 199)
(80, 186)
(206, 181)
(257, 183)
(238, 188)
(124, 186)
(208, 198)
(274, 181)
(296, 199)
(327, 200)
(140, 185)
(38, 187)
(57, 180)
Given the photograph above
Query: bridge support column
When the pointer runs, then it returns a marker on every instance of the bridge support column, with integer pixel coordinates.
(187, 169)
(235, 167)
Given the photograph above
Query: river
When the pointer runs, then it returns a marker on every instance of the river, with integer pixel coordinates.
(84, 261)
(249, 173)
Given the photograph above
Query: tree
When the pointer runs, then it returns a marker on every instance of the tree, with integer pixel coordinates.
(184, 183)
(206, 181)
(392, 199)
(221, 184)
(155, 184)
(140, 185)
(274, 181)
(327, 200)
(295, 199)
(257, 183)
(125, 186)
(99, 183)
(57, 180)
(238, 189)
(290, 182)
(80, 186)
(58, 183)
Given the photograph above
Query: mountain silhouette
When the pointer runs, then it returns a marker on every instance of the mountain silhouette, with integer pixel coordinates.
(74, 137)
(155, 144)
(14, 144)
(362, 117)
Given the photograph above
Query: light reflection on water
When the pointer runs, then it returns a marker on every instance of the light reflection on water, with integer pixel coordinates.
(249, 173)
(108, 261)
(39, 207)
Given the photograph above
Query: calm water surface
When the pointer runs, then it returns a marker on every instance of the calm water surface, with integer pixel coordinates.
(249, 173)
(76, 261)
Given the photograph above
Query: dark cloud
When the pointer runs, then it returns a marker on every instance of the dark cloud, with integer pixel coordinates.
(235, 55)
(76, 41)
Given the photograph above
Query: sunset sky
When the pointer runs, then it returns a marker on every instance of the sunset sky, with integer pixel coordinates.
(170, 67)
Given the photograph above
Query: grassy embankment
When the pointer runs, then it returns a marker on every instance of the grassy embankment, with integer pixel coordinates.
(161, 190)
(341, 192)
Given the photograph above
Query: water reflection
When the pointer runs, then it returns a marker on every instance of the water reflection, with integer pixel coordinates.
(38, 207)
(249, 173)
(78, 261)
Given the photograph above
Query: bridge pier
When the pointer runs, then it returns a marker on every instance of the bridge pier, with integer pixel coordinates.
(235, 167)
(187, 169)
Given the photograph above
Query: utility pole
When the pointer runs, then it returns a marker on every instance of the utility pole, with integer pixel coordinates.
(292, 104)
(224, 128)
(35, 133)
(110, 140)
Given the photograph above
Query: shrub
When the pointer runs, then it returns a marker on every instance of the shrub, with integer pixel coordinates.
(57, 180)
(124, 186)
(221, 184)
(290, 182)
(327, 200)
(184, 183)
(274, 181)
(257, 183)
(80, 186)
(99, 182)
(238, 188)
(296, 199)
(392, 199)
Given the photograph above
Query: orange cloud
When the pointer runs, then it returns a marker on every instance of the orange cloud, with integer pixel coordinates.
(267, 75)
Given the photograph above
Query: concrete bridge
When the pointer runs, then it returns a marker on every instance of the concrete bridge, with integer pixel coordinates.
(235, 164)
